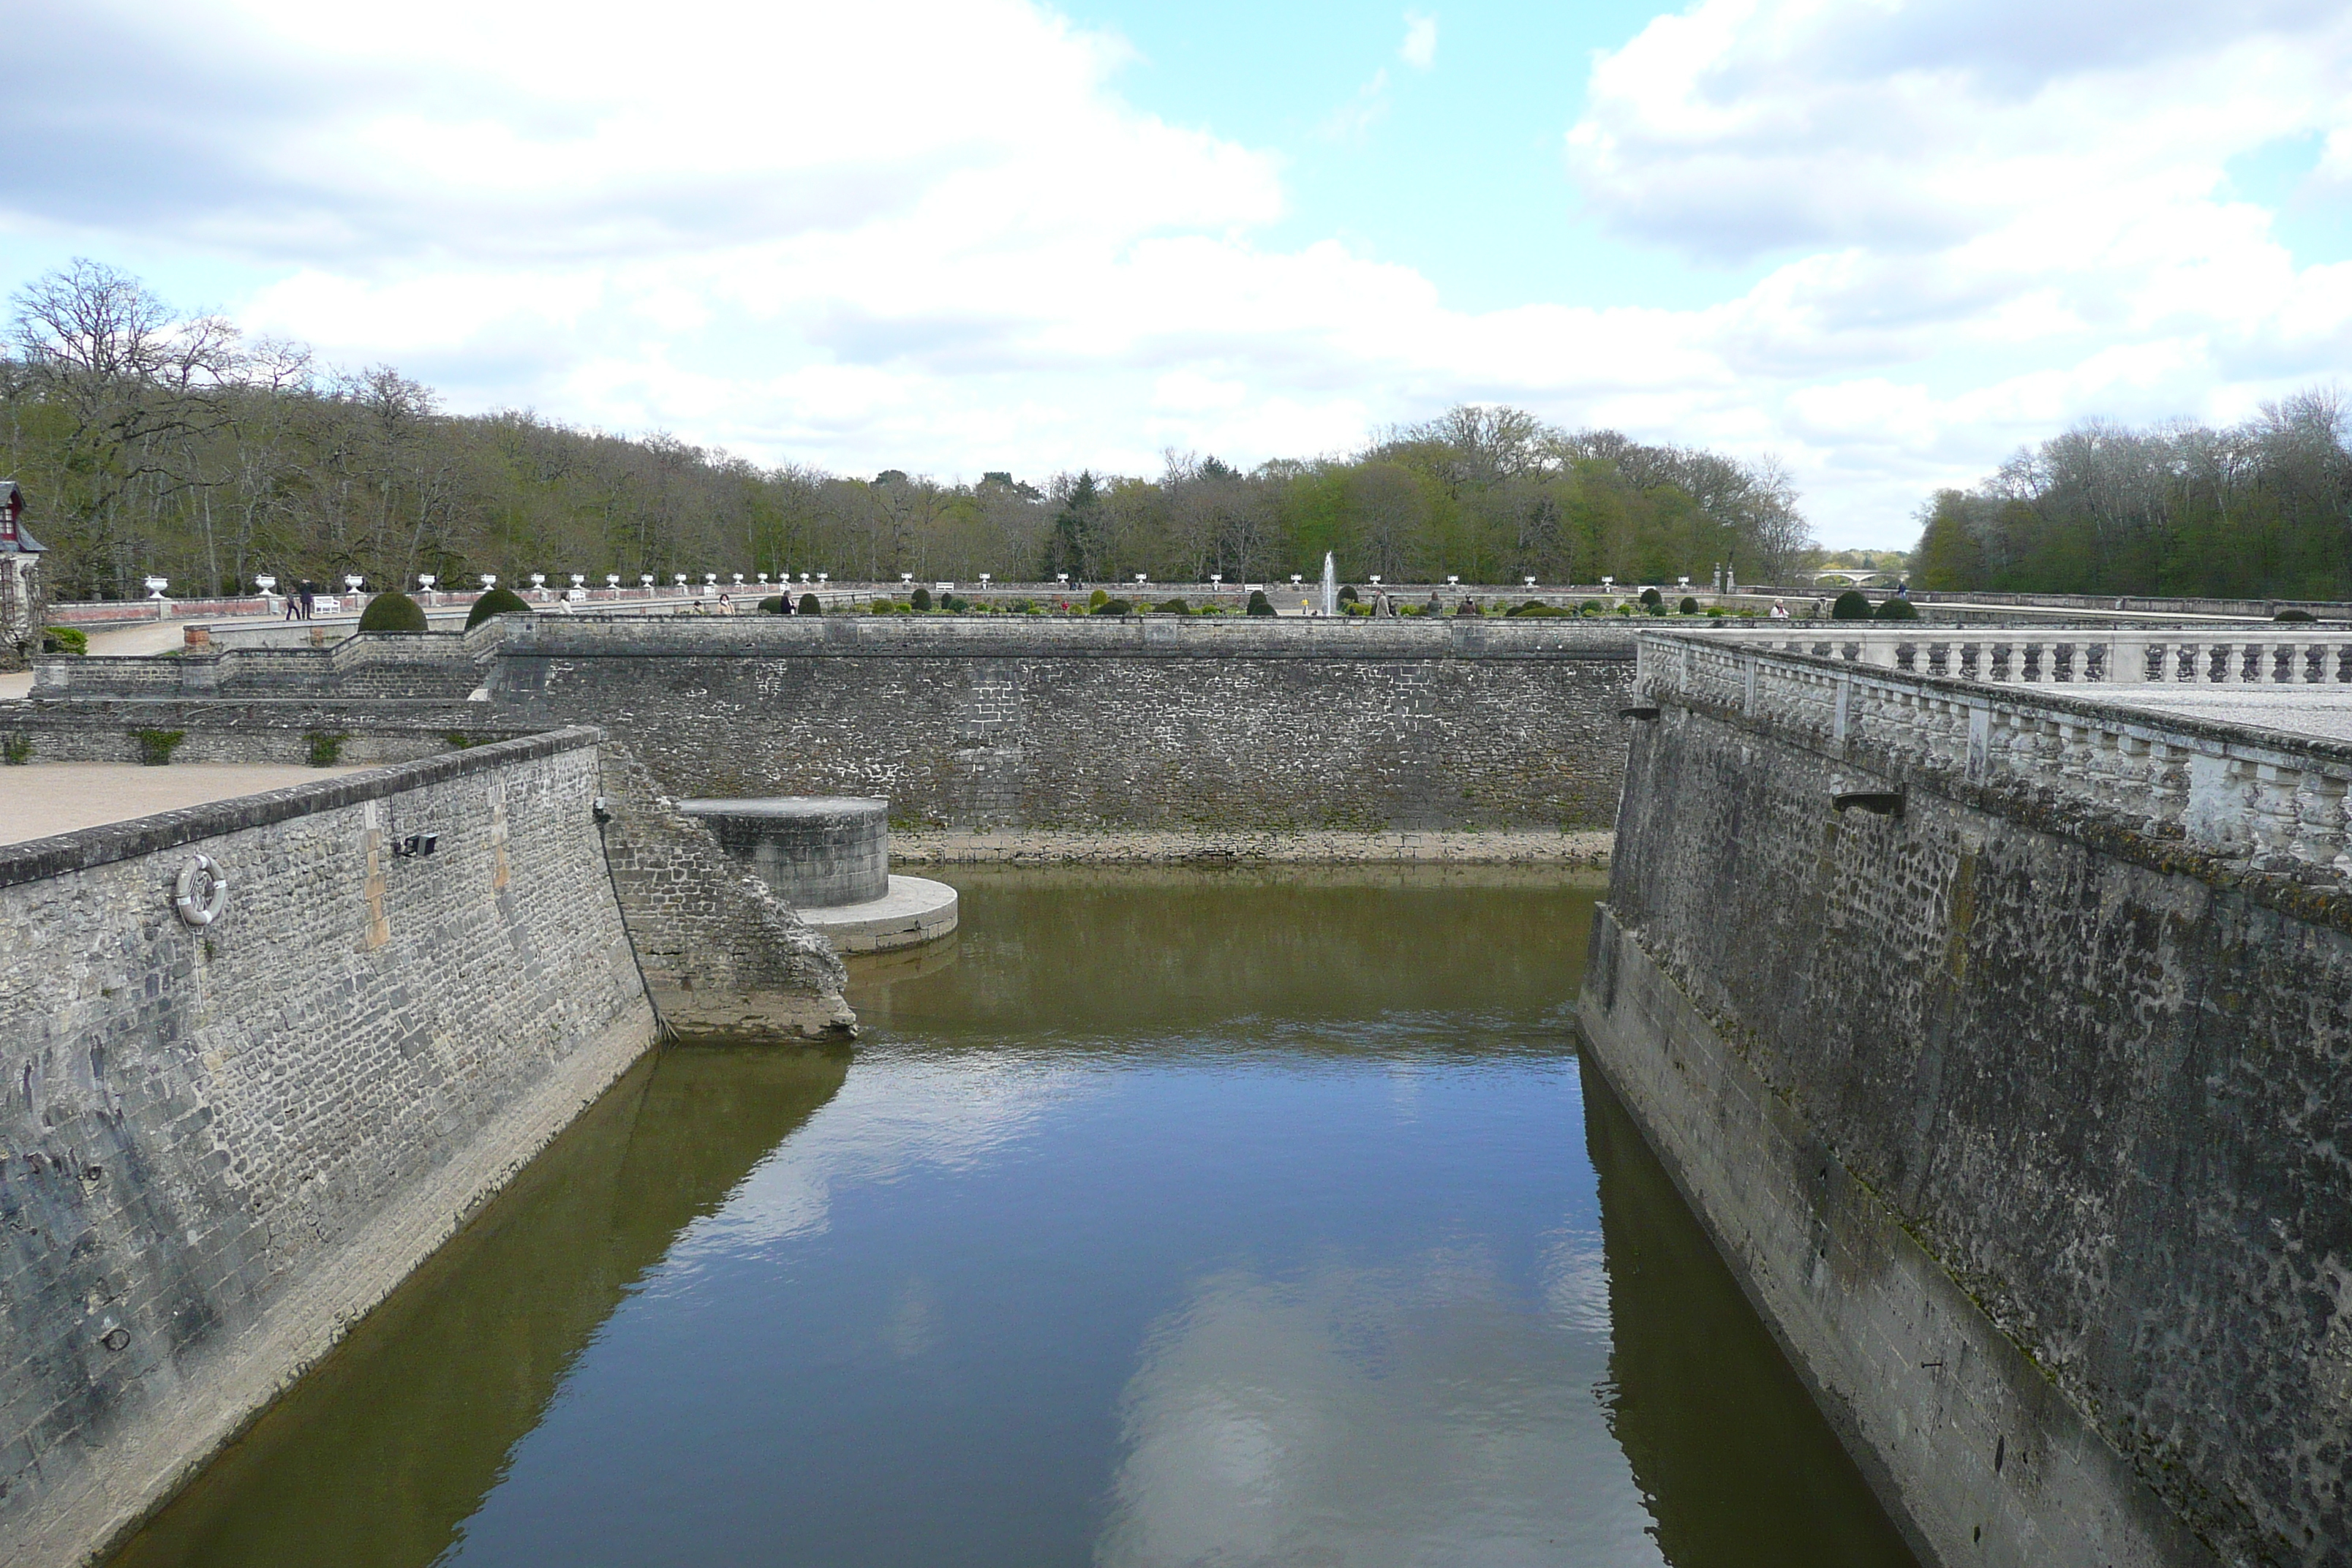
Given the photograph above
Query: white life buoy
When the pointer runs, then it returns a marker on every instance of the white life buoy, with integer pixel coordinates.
(202, 892)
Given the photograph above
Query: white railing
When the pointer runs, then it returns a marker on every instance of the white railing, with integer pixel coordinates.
(2273, 655)
(2269, 801)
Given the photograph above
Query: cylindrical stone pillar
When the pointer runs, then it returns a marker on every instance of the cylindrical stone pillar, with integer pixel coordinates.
(814, 851)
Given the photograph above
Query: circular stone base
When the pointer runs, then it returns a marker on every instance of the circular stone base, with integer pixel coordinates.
(915, 910)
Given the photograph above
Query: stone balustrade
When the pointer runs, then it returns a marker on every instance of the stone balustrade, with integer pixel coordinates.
(434, 665)
(2256, 799)
(2273, 654)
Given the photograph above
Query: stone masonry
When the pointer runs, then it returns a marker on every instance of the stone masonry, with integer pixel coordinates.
(219, 1145)
(2014, 1090)
(1107, 726)
(721, 956)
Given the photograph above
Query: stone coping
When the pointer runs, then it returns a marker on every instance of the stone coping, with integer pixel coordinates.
(62, 852)
(1267, 847)
(786, 806)
(1124, 636)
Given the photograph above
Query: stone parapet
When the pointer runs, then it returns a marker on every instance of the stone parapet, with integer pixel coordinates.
(405, 665)
(2268, 655)
(2249, 798)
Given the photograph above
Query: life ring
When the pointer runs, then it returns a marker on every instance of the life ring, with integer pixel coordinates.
(202, 892)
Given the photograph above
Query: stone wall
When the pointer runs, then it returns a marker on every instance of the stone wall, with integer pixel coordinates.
(431, 665)
(2018, 1111)
(1106, 725)
(722, 957)
(289, 732)
(220, 1145)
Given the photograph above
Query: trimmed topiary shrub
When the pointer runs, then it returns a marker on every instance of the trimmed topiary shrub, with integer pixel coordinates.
(497, 602)
(954, 604)
(1689, 607)
(1853, 605)
(1717, 610)
(1259, 604)
(393, 612)
(773, 604)
(1176, 606)
(1593, 608)
(65, 639)
(1101, 596)
(809, 606)
(1347, 594)
(920, 598)
(2291, 616)
(1107, 605)
(1897, 610)
(1653, 600)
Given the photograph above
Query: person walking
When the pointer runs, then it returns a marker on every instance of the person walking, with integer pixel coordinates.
(309, 598)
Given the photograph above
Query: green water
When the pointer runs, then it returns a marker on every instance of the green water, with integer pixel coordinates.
(1161, 1218)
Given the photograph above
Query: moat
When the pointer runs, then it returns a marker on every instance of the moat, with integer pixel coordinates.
(1163, 1217)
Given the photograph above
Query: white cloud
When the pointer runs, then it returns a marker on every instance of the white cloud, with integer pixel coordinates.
(1353, 120)
(1419, 49)
(1349, 1413)
(935, 236)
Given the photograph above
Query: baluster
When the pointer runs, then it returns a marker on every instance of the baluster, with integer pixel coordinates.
(2272, 817)
(2134, 776)
(2319, 821)
(2168, 782)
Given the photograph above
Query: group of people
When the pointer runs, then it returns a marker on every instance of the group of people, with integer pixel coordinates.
(301, 600)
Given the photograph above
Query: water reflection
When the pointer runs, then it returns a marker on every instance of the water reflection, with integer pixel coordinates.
(1412, 1412)
(377, 1456)
(1180, 1218)
(1699, 1393)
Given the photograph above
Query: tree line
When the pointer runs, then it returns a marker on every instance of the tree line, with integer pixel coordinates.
(150, 441)
(2257, 510)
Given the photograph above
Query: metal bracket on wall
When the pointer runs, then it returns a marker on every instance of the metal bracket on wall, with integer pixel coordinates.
(1885, 802)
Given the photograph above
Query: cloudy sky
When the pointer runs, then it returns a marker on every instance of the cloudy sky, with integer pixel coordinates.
(1888, 239)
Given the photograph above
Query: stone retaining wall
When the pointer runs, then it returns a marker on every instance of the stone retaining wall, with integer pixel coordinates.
(220, 1145)
(289, 732)
(724, 958)
(2018, 1110)
(1107, 726)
